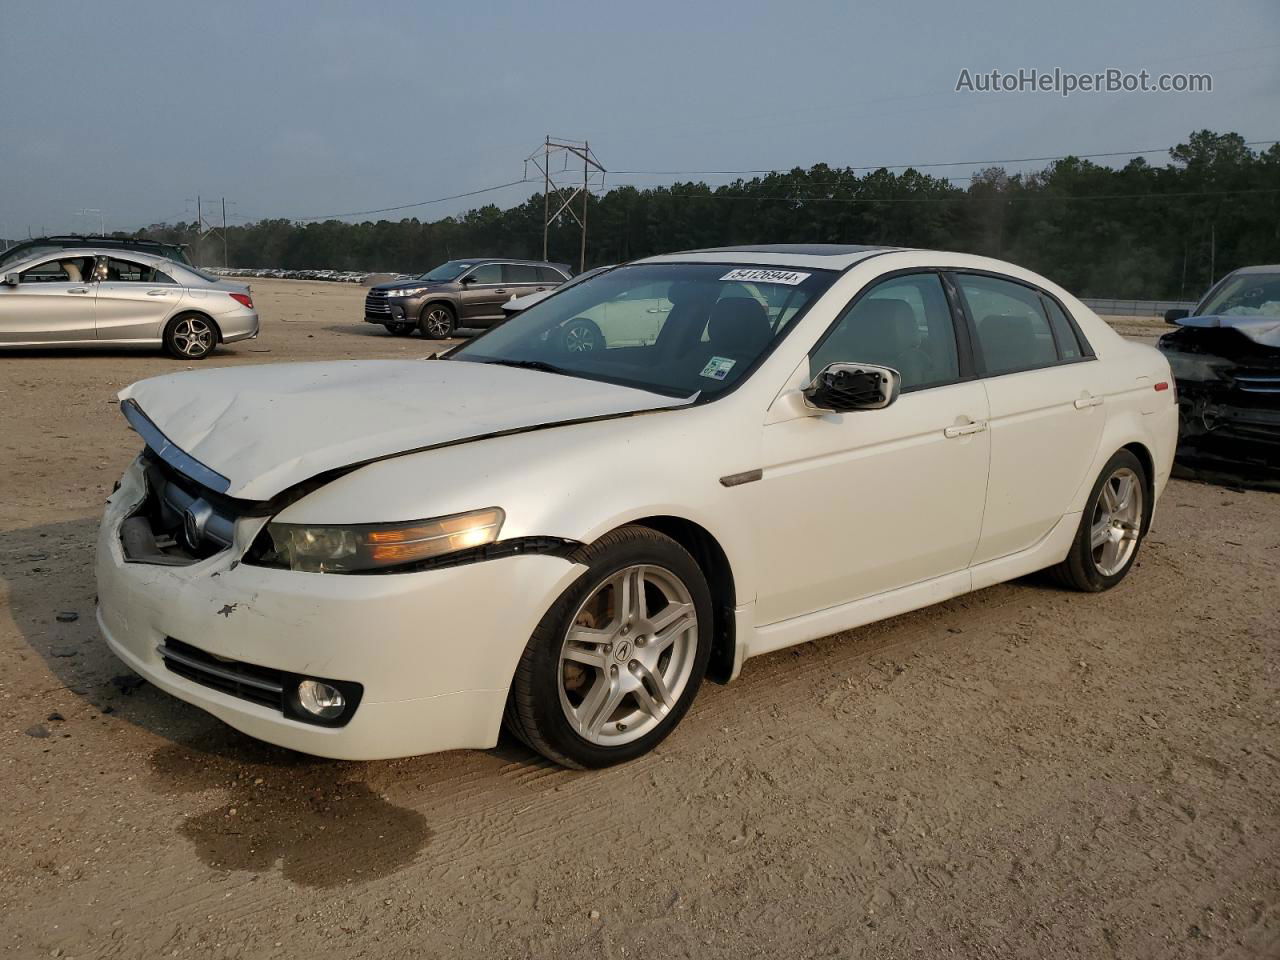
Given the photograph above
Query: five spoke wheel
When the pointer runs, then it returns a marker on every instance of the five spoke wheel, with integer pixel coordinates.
(1117, 521)
(628, 655)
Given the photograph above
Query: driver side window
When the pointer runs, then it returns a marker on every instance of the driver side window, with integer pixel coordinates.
(62, 270)
(905, 323)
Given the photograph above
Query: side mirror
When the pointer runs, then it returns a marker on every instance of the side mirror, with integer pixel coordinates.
(10, 279)
(469, 278)
(844, 387)
(1173, 316)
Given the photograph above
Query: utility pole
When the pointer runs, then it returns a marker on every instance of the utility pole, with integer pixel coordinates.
(593, 174)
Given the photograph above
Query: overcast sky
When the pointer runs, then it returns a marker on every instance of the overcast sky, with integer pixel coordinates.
(292, 109)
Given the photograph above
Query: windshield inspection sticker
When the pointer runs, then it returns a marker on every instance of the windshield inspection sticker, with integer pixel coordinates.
(717, 368)
(788, 277)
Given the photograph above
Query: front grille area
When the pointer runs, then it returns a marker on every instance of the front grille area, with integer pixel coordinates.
(376, 305)
(243, 680)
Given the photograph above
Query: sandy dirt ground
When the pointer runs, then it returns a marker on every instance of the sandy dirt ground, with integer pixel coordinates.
(1022, 772)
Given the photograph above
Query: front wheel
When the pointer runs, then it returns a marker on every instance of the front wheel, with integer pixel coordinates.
(1112, 526)
(438, 322)
(581, 335)
(190, 336)
(615, 663)
(399, 329)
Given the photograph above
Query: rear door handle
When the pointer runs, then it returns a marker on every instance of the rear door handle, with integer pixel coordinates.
(500, 291)
(77, 290)
(1089, 401)
(156, 293)
(964, 429)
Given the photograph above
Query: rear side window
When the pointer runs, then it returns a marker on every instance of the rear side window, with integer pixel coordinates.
(1068, 343)
(1013, 330)
(550, 275)
(519, 273)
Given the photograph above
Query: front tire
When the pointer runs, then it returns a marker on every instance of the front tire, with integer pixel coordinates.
(438, 321)
(615, 663)
(399, 329)
(581, 335)
(1112, 527)
(190, 336)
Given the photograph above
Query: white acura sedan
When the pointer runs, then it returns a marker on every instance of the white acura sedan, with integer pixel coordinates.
(771, 444)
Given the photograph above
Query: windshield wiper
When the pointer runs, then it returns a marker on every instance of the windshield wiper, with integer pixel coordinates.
(530, 365)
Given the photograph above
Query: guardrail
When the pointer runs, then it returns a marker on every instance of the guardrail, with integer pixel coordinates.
(1135, 308)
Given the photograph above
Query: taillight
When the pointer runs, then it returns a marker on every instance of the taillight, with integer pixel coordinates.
(243, 299)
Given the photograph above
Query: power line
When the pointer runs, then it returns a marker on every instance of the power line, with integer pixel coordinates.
(407, 206)
(966, 198)
(915, 166)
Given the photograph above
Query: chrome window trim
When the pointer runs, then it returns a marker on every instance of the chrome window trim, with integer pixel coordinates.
(171, 454)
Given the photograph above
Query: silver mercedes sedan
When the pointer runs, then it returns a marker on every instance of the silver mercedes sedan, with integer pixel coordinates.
(84, 297)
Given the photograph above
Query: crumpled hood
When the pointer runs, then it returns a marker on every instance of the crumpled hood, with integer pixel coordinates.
(268, 427)
(1262, 329)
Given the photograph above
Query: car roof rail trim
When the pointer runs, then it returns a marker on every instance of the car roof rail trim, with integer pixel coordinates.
(173, 455)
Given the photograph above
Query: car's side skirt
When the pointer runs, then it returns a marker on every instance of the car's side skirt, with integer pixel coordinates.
(1051, 549)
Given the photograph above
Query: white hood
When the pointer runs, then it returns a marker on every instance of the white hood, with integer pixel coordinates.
(268, 427)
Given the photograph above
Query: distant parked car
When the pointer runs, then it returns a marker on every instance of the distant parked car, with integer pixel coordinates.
(29, 248)
(458, 293)
(83, 297)
(1225, 357)
(577, 333)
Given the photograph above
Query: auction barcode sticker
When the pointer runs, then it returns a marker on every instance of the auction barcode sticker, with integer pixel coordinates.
(788, 277)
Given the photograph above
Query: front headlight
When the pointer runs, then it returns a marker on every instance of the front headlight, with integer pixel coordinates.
(374, 546)
(412, 292)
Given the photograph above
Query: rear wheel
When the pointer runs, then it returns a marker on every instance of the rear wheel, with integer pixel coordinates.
(190, 336)
(615, 663)
(1111, 528)
(400, 329)
(438, 321)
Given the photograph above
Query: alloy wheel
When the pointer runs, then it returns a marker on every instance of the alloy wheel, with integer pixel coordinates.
(438, 322)
(628, 655)
(1117, 522)
(193, 337)
(579, 338)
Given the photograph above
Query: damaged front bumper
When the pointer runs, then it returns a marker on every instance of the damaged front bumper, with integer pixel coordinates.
(1228, 412)
(431, 653)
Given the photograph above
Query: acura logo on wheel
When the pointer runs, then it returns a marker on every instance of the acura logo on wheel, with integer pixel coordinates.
(622, 649)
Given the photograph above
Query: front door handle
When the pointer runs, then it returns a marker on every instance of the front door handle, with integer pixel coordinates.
(964, 429)
(77, 290)
(1088, 400)
(156, 293)
(500, 291)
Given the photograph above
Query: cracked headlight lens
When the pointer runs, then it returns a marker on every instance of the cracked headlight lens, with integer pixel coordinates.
(356, 548)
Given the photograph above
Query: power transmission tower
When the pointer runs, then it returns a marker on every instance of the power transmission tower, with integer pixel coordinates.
(206, 229)
(593, 173)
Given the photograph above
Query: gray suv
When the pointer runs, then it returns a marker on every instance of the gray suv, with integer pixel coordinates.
(459, 293)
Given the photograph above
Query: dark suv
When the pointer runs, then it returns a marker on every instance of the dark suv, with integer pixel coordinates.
(459, 293)
(38, 245)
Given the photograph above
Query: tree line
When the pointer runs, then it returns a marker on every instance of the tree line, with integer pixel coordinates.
(1140, 230)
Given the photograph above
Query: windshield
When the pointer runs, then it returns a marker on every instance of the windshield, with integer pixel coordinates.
(449, 270)
(1244, 295)
(673, 328)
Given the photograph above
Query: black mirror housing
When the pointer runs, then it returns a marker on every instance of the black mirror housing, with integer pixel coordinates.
(845, 387)
(1176, 314)
(10, 279)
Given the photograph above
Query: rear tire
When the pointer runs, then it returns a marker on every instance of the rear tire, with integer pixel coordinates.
(606, 677)
(190, 336)
(581, 335)
(1112, 527)
(438, 321)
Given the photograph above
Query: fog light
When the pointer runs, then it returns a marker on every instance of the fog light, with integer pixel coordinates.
(321, 699)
